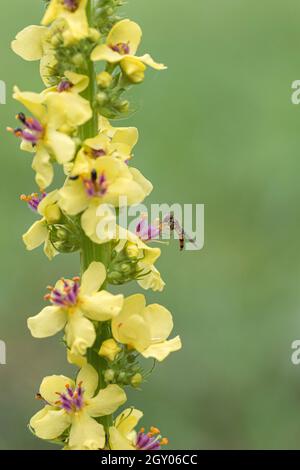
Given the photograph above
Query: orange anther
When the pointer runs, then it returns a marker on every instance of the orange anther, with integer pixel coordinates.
(164, 441)
(154, 430)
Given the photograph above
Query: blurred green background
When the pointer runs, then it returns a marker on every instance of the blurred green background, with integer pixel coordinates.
(217, 128)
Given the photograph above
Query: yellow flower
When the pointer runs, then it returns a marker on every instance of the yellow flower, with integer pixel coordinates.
(122, 436)
(42, 133)
(77, 110)
(121, 46)
(109, 349)
(145, 328)
(119, 146)
(73, 407)
(39, 233)
(73, 12)
(101, 181)
(121, 136)
(74, 307)
(34, 43)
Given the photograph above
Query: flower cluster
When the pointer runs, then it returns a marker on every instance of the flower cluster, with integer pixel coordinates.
(88, 60)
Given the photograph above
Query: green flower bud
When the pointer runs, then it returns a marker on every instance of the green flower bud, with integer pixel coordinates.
(61, 234)
(122, 378)
(65, 239)
(136, 380)
(101, 98)
(78, 60)
(55, 40)
(114, 277)
(109, 11)
(132, 250)
(123, 106)
(104, 79)
(125, 268)
(109, 375)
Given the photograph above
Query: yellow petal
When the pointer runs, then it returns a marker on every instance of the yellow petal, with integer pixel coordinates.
(152, 280)
(50, 423)
(52, 386)
(99, 227)
(127, 32)
(27, 147)
(128, 420)
(80, 333)
(76, 359)
(62, 146)
(51, 12)
(42, 166)
(82, 164)
(145, 184)
(48, 322)
(103, 52)
(29, 42)
(36, 235)
(99, 142)
(79, 82)
(134, 332)
(107, 401)
(86, 433)
(93, 278)
(133, 305)
(32, 101)
(104, 126)
(67, 109)
(134, 69)
(101, 306)
(161, 350)
(89, 378)
(151, 254)
(73, 198)
(147, 59)
(160, 322)
(49, 200)
(117, 441)
(77, 21)
(127, 135)
(49, 249)
(132, 191)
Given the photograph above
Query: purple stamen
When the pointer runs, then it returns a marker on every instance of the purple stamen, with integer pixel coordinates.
(96, 186)
(71, 5)
(64, 85)
(29, 137)
(147, 232)
(67, 295)
(148, 442)
(122, 48)
(34, 125)
(32, 131)
(33, 200)
(98, 153)
(73, 401)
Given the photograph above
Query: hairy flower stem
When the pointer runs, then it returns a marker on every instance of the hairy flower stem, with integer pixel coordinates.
(91, 251)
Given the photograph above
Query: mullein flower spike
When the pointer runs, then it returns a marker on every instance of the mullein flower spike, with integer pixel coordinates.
(88, 60)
